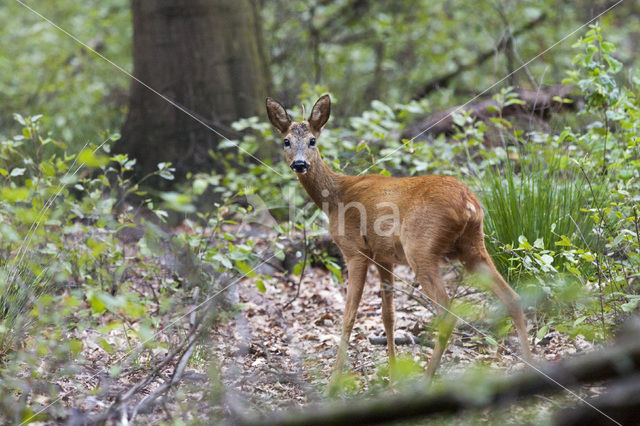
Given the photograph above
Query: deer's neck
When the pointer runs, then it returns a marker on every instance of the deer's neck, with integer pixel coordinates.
(322, 185)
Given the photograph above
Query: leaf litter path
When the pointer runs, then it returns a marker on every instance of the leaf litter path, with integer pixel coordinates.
(274, 358)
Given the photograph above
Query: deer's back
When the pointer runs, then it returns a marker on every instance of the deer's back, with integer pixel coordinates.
(401, 210)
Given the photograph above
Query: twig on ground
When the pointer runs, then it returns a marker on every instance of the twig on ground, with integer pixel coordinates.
(124, 408)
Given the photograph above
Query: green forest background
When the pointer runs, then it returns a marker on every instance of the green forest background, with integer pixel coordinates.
(90, 250)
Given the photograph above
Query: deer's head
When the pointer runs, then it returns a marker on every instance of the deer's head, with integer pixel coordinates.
(300, 137)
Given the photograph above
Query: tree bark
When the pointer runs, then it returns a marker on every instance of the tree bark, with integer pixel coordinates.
(206, 56)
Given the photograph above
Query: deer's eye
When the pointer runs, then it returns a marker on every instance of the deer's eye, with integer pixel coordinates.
(312, 141)
(287, 143)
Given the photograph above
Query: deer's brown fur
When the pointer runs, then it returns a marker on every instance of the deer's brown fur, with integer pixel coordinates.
(436, 217)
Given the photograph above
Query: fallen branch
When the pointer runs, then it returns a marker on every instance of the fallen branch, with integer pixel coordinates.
(147, 403)
(125, 408)
(541, 102)
(615, 362)
(407, 340)
(621, 402)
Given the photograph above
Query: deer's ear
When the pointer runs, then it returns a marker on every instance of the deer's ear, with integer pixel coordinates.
(278, 115)
(320, 113)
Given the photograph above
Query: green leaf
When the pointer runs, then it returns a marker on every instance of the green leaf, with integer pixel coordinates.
(579, 320)
(631, 304)
(134, 310)
(146, 335)
(178, 201)
(564, 241)
(491, 340)
(114, 371)
(14, 195)
(199, 186)
(245, 269)
(92, 159)
(614, 64)
(106, 346)
(608, 47)
(514, 101)
(96, 303)
(524, 243)
(17, 171)
(335, 270)
(548, 260)
(542, 331)
(48, 169)
(97, 248)
(75, 345)
(30, 416)
(539, 243)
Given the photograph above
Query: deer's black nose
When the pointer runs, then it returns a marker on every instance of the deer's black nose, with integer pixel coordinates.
(300, 166)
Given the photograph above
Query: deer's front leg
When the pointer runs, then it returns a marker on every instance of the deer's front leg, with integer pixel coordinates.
(388, 311)
(357, 270)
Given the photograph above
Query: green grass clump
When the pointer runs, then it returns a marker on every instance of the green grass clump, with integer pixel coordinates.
(533, 207)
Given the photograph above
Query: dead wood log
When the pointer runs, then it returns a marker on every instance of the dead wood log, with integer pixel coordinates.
(541, 103)
(503, 43)
(617, 362)
(621, 402)
(407, 340)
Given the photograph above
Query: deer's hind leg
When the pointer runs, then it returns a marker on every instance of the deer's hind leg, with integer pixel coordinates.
(425, 255)
(473, 254)
(432, 285)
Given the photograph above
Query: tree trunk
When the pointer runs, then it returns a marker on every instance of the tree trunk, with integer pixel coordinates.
(204, 55)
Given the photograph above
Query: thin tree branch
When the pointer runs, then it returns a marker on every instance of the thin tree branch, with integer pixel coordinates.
(503, 43)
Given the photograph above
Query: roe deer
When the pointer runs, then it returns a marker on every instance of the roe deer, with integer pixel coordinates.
(416, 221)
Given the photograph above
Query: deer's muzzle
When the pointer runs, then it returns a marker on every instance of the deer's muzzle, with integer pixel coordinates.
(300, 166)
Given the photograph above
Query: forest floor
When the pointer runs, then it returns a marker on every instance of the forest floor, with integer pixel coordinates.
(271, 354)
(273, 357)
